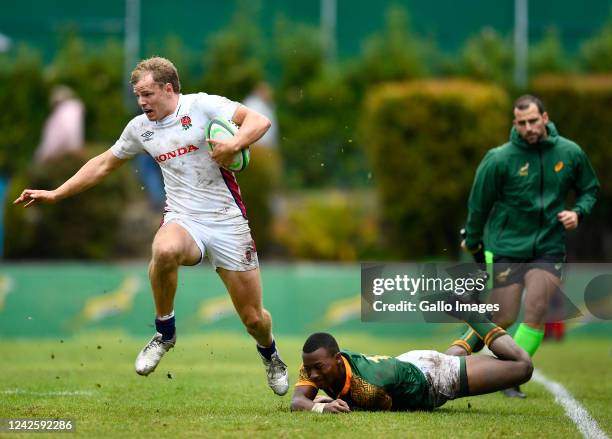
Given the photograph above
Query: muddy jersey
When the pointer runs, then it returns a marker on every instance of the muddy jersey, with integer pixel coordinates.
(380, 382)
(195, 185)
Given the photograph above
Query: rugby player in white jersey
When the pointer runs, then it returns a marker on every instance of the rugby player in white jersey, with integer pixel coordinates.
(204, 214)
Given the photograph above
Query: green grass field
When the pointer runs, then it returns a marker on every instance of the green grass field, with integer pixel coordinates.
(214, 385)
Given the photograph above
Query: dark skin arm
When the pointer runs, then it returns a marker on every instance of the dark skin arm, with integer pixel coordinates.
(304, 398)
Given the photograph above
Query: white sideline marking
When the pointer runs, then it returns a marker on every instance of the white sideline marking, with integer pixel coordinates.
(59, 393)
(573, 409)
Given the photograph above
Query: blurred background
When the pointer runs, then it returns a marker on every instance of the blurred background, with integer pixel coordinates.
(382, 116)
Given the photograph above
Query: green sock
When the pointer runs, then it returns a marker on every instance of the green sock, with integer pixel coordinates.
(486, 330)
(470, 341)
(528, 338)
(489, 262)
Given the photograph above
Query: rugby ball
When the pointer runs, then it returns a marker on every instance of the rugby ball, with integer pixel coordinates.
(220, 128)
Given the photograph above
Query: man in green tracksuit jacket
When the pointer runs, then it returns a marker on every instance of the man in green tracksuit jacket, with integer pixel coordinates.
(517, 210)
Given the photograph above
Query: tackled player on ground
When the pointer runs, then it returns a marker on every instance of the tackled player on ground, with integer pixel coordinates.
(415, 380)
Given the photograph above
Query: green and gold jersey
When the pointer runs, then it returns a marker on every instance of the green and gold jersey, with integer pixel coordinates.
(380, 383)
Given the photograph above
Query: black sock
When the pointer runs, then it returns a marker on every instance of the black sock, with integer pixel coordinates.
(267, 352)
(166, 328)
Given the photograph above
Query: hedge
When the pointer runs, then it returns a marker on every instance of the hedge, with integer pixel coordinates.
(424, 140)
(328, 225)
(85, 226)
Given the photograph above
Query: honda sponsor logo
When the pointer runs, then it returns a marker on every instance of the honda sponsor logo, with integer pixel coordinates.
(177, 152)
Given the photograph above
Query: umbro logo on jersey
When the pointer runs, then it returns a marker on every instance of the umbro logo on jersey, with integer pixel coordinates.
(177, 152)
(147, 135)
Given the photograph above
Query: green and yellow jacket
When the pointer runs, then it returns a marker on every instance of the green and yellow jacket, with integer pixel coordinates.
(520, 188)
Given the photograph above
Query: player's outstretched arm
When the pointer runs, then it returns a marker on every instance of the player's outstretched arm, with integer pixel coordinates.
(304, 400)
(90, 174)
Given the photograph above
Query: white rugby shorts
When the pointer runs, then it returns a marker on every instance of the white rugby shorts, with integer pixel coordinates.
(226, 245)
(442, 372)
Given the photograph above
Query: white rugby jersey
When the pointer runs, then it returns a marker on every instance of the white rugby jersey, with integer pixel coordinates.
(194, 183)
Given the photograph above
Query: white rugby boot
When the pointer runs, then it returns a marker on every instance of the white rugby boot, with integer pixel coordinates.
(278, 377)
(148, 359)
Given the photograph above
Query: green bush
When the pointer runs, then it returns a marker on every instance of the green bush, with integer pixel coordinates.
(425, 139)
(316, 113)
(24, 97)
(581, 107)
(597, 51)
(547, 55)
(97, 76)
(488, 56)
(233, 63)
(81, 227)
(394, 54)
(330, 225)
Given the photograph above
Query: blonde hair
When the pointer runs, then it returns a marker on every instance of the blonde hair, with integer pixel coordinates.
(162, 70)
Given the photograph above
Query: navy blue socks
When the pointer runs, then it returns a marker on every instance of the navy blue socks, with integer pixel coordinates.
(267, 352)
(165, 326)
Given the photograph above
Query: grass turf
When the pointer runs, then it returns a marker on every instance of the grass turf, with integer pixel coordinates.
(214, 385)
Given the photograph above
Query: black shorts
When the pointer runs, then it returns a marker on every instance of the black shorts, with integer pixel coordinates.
(508, 270)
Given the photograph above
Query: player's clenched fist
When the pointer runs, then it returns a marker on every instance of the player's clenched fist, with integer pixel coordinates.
(336, 406)
(30, 196)
(569, 219)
